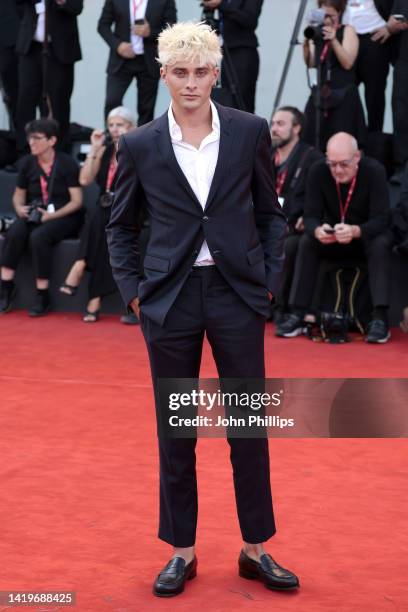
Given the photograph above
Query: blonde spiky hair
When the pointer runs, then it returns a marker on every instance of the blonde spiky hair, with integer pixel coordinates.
(187, 42)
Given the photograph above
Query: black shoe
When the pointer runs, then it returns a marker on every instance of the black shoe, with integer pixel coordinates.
(42, 304)
(8, 291)
(172, 578)
(129, 319)
(267, 571)
(378, 332)
(291, 326)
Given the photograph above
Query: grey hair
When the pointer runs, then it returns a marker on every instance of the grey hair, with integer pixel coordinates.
(124, 113)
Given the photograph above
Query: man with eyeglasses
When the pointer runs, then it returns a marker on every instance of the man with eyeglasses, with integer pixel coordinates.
(346, 217)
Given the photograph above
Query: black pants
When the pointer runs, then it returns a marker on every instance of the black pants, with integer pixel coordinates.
(291, 249)
(245, 62)
(9, 79)
(400, 112)
(207, 304)
(41, 239)
(118, 83)
(373, 63)
(377, 252)
(59, 85)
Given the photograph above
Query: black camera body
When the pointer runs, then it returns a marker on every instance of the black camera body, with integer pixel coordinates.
(108, 138)
(334, 327)
(208, 16)
(34, 216)
(314, 29)
(106, 199)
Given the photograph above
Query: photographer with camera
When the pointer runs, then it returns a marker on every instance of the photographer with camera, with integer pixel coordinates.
(292, 160)
(238, 20)
(48, 201)
(100, 165)
(346, 219)
(133, 50)
(334, 104)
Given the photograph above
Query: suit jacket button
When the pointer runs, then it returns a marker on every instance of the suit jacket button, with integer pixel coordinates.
(206, 218)
(216, 252)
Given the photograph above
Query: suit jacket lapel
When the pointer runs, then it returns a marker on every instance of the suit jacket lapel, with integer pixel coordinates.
(125, 9)
(224, 153)
(166, 151)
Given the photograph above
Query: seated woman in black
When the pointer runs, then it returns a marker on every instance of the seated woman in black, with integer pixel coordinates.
(333, 52)
(100, 165)
(48, 201)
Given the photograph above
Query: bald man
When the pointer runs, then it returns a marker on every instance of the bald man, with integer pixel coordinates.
(346, 217)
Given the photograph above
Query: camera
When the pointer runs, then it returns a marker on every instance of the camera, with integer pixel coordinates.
(34, 216)
(106, 199)
(208, 16)
(6, 222)
(108, 138)
(315, 25)
(334, 327)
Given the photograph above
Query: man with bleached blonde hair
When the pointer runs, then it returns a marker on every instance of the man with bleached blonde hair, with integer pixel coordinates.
(201, 174)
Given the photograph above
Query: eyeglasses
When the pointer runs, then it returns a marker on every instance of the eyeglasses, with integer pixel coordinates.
(346, 163)
(35, 137)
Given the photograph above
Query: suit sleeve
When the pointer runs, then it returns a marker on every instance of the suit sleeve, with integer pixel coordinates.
(269, 218)
(245, 14)
(123, 228)
(73, 7)
(169, 17)
(379, 211)
(314, 201)
(104, 25)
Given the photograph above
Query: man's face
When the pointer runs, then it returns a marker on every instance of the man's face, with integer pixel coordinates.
(282, 130)
(343, 163)
(190, 83)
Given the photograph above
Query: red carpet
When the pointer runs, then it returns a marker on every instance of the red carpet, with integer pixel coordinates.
(79, 481)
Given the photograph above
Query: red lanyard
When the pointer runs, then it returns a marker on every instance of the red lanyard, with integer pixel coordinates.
(44, 183)
(136, 6)
(281, 176)
(111, 173)
(344, 208)
(326, 48)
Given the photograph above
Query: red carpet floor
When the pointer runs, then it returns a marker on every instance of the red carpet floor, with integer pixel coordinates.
(78, 471)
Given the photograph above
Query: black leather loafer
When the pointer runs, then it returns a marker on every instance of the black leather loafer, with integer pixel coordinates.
(267, 571)
(172, 578)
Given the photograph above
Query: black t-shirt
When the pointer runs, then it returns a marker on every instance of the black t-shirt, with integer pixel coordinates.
(369, 206)
(66, 175)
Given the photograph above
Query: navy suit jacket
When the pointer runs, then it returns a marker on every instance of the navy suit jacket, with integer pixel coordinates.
(242, 221)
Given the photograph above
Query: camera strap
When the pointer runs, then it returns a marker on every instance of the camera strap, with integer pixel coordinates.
(111, 173)
(47, 182)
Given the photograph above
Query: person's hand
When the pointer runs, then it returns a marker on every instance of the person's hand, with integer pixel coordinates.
(323, 236)
(134, 304)
(97, 139)
(22, 211)
(329, 32)
(142, 30)
(300, 226)
(211, 4)
(395, 27)
(345, 233)
(45, 216)
(125, 50)
(381, 35)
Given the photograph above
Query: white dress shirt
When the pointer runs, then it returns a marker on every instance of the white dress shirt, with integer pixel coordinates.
(39, 34)
(363, 16)
(198, 166)
(137, 11)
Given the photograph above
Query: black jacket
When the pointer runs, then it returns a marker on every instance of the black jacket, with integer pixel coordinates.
(384, 7)
(242, 221)
(9, 22)
(61, 25)
(294, 188)
(369, 206)
(240, 19)
(159, 13)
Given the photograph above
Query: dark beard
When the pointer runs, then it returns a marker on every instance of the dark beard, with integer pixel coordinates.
(278, 143)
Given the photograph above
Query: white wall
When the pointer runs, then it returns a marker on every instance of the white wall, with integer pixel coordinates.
(274, 32)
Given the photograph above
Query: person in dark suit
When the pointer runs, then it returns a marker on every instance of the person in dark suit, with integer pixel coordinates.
(9, 23)
(133, 50)
(202, 176)
(238, 22)
(48, 45)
